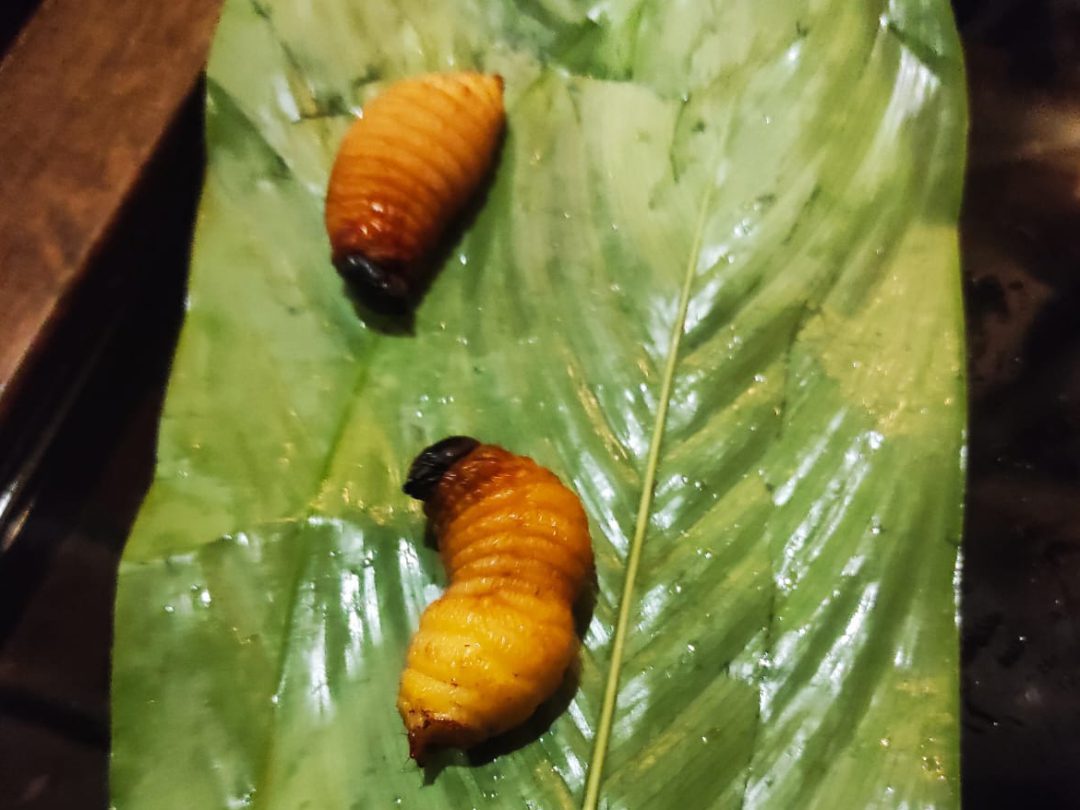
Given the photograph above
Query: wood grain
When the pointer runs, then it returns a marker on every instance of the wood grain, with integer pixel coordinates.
(86, 94)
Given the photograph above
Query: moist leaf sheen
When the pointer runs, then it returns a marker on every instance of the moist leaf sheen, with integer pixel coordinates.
(714, 286)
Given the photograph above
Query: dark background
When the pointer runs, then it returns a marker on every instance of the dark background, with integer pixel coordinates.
(1021, 587)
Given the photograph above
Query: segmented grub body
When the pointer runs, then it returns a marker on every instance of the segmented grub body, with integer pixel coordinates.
(515, 543)
(404, 170)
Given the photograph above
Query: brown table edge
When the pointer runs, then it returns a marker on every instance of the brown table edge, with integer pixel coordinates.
(165, 47)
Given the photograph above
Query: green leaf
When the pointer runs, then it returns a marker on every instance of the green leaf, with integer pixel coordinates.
(714, 286)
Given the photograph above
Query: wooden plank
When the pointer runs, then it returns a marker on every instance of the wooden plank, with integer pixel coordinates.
(86, 94)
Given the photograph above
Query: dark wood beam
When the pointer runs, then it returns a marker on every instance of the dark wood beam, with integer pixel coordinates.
(87, 92)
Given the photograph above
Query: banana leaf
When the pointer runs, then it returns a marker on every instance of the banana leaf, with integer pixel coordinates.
(713, 285)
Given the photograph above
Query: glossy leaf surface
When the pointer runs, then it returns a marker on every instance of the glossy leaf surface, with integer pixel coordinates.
(713, 285)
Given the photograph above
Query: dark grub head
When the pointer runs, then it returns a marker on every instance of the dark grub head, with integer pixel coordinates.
(383, 286)
(431, 465)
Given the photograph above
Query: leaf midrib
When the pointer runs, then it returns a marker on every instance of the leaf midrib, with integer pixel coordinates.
(262, 780)
(633, 560)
